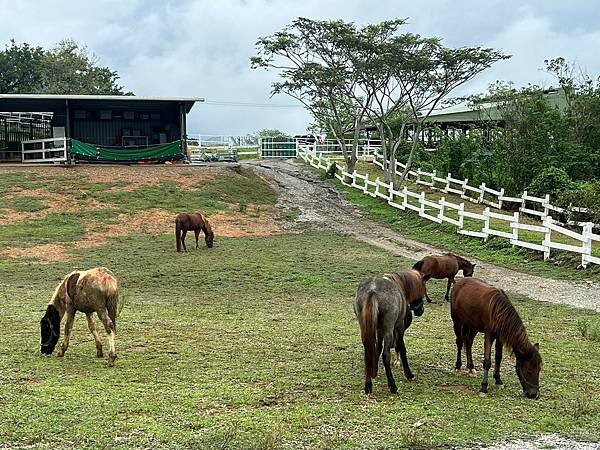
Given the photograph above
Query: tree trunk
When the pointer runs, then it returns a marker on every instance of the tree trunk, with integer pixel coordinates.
(415, 142)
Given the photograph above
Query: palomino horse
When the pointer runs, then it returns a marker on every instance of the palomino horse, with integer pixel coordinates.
(90, 291)
(383, 309)
(445, 266)
(192, 222)
(478, 307)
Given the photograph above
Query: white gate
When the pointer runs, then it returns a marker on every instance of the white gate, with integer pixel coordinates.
(44, 150)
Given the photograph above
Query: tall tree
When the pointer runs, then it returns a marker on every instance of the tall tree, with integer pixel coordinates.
(314, 62)
(68, 68)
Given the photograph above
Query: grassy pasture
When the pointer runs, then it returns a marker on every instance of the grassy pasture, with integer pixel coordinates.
(253, 344)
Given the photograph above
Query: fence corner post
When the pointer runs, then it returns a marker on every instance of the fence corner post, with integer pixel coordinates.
(547, 237)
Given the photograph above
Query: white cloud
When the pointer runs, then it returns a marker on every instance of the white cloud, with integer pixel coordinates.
(202, 47)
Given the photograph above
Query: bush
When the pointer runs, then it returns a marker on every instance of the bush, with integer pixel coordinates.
(589, 329)
(553, 181)
(584, 195)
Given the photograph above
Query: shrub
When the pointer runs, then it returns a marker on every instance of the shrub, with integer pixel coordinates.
(584, 195)
(553, 181)
(589, 329)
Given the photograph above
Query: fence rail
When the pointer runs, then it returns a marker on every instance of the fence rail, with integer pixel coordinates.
(44, 150)
(436, 211)
(539, 207)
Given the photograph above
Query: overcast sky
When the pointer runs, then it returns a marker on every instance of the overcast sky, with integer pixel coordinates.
(202, 47)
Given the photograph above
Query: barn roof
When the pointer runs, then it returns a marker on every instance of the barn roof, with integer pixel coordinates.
(52, 102)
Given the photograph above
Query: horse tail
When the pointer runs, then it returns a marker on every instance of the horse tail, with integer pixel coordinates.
(112, 300)
(369, 334)
(418, 265)
(178, 234)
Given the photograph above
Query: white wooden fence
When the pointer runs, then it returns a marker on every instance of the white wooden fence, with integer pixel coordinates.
(52, 150)
(534, 206)
(439, 211)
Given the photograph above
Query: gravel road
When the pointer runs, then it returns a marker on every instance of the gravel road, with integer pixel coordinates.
(322, 205)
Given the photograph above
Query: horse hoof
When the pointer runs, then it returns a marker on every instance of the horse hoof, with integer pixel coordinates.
(99, 354)
(472, 373)
(394, 390)
(457, 372)
(483, 394)
(410, 377)
(499, 385)
(111, 360)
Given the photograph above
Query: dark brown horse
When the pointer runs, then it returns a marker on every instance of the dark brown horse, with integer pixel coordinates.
(445, 266)
(383, 308)
(90, 291)
(478, 307)
(192, 222)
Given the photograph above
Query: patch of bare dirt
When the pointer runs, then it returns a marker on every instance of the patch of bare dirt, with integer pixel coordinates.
(255, 221)
(46, 253)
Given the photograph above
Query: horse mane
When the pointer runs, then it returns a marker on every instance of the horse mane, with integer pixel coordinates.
(507, 323)
(461, 261)
(410, 282)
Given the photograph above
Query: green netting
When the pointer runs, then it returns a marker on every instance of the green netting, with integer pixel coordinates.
(162, 151)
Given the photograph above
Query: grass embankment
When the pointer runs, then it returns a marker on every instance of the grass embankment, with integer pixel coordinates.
(253, 344)
(496, 250)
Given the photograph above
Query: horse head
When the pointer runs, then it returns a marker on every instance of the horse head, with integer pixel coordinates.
(50, 330)
(528, 367)
(468, 269)
(418, 306)
(209, 237)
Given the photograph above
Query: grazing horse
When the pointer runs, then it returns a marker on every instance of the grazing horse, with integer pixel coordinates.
(89, 291)
(445, 266)
(477, 307)
(192, 222)
(383, 308)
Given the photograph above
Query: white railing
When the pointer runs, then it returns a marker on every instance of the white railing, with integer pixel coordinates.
(287, 148)
(44, 150)
(480, 225)
(539, 207)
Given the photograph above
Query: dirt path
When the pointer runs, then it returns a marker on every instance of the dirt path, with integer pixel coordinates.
(322, 205)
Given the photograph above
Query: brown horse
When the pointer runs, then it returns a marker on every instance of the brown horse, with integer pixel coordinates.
(445, 266)
(383, 309)
(195, 222)
(478, 307)
(90, 291)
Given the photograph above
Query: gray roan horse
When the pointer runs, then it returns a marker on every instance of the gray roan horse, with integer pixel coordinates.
(383, 308)
(90, 291)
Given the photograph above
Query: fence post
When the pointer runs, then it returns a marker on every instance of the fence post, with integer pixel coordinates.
(422, 203)
(461, 217)
(500, 198)
(588, 227)
(486, 223)
(366, 186)
(434, 172)
(445, 190)
(547, 236)
(391, 192)
(482, 194)
(515, 229)
(418, 175)
(404, 197)
(545, 205)
(523, 201)
(441, 213)
(464, 188)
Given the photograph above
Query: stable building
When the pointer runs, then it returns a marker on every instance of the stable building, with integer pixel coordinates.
(100, 128)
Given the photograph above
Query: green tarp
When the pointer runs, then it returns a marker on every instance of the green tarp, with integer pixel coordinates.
(171, 150)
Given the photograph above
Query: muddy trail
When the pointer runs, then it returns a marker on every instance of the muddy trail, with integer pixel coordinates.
(320, 204)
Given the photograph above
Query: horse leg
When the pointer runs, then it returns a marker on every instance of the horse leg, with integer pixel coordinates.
(94, 331)
(109, 326)
(469, 336)
(401, 350)
(459, 344)
(487, 362)
(498, 357)
(450, 282)
(427, 295)
(379, 349)
(387, 345)
(68, 329)
(183, 233)
(197, 233)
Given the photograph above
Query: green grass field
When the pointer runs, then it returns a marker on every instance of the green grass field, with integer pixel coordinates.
(254, 344)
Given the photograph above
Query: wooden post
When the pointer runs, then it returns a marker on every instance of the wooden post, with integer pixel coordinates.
(515, 229)
(482, 194)
(68, 130)
(441, 213)
(486, 223)
(461, 217)
(547, 236)
(500, 198)
(588, 227)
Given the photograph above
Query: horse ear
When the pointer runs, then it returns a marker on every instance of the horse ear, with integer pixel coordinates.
(473, 266)
(536, 345)
(71, 284)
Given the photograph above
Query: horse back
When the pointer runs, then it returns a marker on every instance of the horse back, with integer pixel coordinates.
(471, 303)
(437, 266)
(391, 304)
